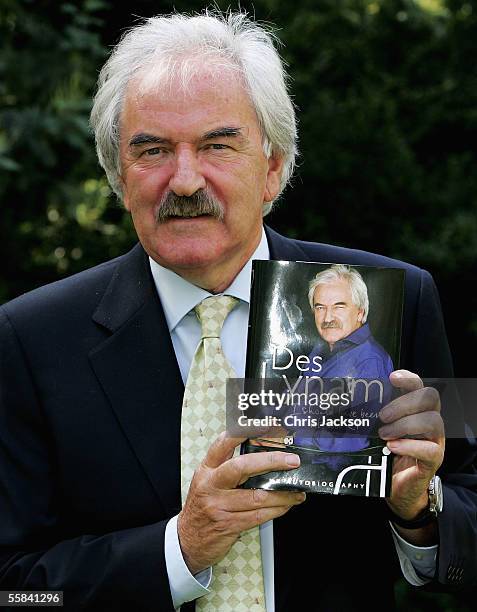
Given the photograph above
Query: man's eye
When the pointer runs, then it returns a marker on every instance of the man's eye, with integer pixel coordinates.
(153, 151)
(216, 146)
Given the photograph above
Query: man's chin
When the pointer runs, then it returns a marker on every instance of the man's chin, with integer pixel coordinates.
(181, 249)
(331, 337)
(193, 228)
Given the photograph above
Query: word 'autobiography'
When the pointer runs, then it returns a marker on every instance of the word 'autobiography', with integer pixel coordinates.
(322, 341)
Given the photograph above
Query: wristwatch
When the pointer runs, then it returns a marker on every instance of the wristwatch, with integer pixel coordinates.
(436, 503)
(436, 498)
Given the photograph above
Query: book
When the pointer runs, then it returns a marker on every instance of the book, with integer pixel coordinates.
(322, 341)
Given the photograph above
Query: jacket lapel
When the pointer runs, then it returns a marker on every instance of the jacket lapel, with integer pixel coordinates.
(138, 371)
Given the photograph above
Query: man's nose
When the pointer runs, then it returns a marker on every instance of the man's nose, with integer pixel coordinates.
(186, 177)
(328, 315)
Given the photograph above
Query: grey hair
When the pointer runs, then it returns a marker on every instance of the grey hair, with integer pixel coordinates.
(167, 45)
(359, 291)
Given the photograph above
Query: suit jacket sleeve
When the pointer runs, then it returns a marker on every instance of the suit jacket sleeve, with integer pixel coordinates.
(36, 550)
(457, 559)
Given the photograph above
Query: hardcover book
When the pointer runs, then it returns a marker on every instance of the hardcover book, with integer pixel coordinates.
(322, 341)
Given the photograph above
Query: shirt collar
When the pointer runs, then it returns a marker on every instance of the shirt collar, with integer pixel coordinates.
(359, 336)
(178, 296)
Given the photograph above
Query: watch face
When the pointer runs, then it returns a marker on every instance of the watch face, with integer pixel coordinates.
(435, 495)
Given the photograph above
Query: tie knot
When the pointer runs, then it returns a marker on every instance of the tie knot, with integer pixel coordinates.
(212, 313)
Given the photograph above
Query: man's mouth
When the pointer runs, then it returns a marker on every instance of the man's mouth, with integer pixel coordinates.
(189, 215)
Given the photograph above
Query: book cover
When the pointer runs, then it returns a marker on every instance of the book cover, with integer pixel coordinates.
(322, 341)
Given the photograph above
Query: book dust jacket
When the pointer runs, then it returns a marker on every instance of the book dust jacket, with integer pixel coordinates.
(322, 341)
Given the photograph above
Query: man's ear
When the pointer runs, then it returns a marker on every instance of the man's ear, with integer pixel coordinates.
(360, 315)
(274, 175)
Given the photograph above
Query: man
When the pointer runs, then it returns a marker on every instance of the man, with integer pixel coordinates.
(339, 300)
(195, 130)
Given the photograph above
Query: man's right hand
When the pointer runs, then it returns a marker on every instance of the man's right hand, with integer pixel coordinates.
(216, 512)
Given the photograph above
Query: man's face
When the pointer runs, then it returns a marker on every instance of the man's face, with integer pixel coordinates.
(206, 139)
(336, 316)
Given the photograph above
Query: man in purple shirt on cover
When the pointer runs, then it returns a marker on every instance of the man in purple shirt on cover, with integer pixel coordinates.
(338, 297)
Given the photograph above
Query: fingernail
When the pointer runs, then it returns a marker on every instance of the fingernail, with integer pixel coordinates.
(293, 460)
(300, 497)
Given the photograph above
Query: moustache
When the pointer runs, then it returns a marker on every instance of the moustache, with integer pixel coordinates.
(199, 203)
(331, 325)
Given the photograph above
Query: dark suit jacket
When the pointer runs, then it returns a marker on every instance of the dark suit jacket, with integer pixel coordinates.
(90, 408)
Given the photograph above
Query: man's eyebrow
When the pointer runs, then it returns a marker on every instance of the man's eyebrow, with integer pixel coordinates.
(222, 132)
(144, 138)
(334, 304)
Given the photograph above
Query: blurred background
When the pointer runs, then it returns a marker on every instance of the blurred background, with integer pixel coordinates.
(386, 92)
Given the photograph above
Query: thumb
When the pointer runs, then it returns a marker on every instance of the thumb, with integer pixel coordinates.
(221, 450)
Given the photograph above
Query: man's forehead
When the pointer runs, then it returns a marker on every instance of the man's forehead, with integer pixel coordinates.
(183, 83)
(339, 287)
(210, 104)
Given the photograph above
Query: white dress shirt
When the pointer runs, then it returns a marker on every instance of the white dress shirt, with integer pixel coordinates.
(178, 298)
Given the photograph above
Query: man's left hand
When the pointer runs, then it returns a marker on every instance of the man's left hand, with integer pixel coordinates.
(414, 429)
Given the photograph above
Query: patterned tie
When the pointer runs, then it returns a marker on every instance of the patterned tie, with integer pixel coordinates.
(237, 584)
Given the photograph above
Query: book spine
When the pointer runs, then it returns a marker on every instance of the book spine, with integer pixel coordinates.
(254, 324)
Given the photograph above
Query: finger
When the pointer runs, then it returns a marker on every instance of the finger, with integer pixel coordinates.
(236, 471)
(425, 425)
(405, 380)
(242, 500)
(247, 520)
(414, 402)
(429, 454)
(221, 450)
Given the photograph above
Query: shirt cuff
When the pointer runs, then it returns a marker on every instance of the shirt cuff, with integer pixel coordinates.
(184, 586)
(418, 563)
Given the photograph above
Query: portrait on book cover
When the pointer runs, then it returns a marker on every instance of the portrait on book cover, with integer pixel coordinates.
(349, 358)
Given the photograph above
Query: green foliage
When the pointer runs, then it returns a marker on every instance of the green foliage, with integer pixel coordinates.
(57, 214)
(387, 95)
